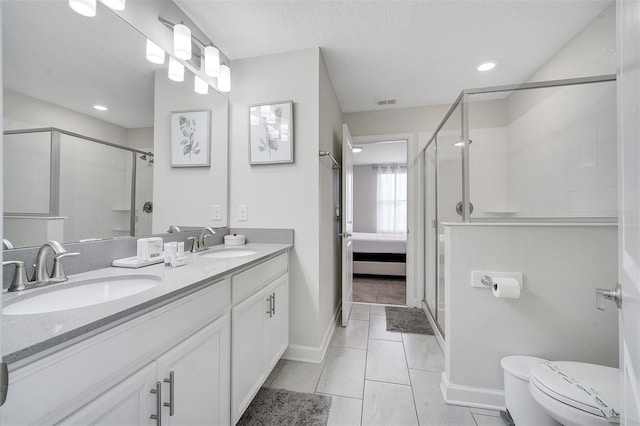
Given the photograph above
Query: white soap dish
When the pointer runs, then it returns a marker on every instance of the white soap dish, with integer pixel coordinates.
(133, 262)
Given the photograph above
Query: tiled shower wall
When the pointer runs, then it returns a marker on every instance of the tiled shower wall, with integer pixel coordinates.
(562, 152)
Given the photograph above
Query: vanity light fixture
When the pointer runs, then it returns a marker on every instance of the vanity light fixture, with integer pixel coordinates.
(154, 53)
(176, 70)
(212, 61)
(200, 86)
(100, 107)
(182, 41)
(84, 7)
(224, 79)
(114, 4)
(356, 149)
(487, 65)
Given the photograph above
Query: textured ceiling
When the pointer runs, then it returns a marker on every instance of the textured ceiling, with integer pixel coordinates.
(420, 52)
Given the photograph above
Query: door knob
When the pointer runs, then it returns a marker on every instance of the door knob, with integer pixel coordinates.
(615, 295)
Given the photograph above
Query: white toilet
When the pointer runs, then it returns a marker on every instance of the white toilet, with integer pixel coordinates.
(576, 393)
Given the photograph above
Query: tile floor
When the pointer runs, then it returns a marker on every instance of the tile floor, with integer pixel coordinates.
(380, 378)
(389, 291)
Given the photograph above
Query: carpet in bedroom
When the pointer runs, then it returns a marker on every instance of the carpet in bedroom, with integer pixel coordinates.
(387, 291)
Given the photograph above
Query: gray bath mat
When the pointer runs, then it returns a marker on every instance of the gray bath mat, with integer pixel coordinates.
(283, 407)
(407, 320)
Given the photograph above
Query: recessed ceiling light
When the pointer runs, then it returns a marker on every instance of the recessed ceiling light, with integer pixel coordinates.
(100, 107)
(487, 65)
(356, 149)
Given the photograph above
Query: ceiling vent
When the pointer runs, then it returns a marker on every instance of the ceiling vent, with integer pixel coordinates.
(385, 102)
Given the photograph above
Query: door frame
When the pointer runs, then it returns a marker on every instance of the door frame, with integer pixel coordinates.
(414, 227)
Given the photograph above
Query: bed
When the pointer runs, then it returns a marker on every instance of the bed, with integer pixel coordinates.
(379, 254)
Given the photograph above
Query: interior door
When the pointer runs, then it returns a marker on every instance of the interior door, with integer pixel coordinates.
(629, 206)
(347, 224)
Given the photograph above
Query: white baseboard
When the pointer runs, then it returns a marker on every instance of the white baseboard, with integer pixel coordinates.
(469, 396)
(314, 354)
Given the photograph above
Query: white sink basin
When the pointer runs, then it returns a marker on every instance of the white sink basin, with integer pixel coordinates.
(84, 293)
(228, 253)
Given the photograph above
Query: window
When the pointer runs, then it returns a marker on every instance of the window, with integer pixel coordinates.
(392, 199)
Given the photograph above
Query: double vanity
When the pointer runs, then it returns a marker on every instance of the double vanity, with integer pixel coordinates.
(155, 345)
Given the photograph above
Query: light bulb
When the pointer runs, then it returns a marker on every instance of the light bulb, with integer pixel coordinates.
(211, 61)
(224, 79)
(84, 7)
(200, 86)
(176, 70)
(182, 41)
(154, 53)
(114, 4)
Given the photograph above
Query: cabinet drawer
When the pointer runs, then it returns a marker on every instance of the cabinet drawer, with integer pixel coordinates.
(248, 282)
(50, 389)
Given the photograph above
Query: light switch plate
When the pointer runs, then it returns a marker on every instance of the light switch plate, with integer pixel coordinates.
(216, 212)
(243, 212)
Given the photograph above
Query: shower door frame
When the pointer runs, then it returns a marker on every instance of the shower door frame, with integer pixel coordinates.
(463, 101)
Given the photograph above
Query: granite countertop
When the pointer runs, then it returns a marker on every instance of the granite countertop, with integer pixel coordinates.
(28, 337)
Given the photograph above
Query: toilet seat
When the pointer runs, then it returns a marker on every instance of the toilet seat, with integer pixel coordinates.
(576, 392)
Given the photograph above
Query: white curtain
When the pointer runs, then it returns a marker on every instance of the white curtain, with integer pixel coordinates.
(392, 199)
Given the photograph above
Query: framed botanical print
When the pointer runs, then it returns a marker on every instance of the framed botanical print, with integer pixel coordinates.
(271, 133)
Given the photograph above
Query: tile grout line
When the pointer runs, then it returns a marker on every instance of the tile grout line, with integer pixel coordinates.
(413, 394)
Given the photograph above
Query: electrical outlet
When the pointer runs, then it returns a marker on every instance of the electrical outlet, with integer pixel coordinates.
(216, 212)
(243, 212)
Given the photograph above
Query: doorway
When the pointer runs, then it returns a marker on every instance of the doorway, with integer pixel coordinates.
(380, 217)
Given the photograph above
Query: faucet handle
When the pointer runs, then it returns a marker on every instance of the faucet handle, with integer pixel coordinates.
(195, 246)
(58, 271)
(20, 279)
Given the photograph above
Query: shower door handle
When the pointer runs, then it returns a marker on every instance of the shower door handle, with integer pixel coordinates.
(344, 235)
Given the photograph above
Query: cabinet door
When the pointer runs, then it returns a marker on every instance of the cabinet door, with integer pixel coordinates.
(200, 379)
(247, 370)
(128, 403)
(276, 325)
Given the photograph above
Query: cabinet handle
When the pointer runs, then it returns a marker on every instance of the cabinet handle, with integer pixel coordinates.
(270, 309)
(158, 392)
(273, 305)
(170, 404)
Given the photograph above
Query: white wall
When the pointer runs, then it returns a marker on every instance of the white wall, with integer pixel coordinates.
(22, 112)
(330, 139)
(283, 195)
(185, 195)
(554, 318)
(365, 194)
(562, 142)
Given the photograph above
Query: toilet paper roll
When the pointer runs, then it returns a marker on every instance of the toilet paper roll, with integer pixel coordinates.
(506, 288)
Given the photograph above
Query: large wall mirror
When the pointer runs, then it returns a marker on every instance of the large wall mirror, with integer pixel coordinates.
(61, 180)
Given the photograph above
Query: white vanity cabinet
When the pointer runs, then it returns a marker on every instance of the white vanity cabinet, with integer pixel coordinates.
(260, 321)
(107, 378)
(188, 385)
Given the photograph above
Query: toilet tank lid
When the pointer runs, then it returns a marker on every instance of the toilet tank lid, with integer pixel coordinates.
(520, 365)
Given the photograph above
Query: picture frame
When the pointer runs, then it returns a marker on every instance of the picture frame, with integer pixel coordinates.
(191, 138)
(271, 133)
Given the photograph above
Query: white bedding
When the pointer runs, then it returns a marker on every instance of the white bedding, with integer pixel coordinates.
(379, 243)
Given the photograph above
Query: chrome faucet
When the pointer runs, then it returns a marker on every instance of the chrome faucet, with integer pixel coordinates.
(200, 243)
(6, 244)
(41, 275)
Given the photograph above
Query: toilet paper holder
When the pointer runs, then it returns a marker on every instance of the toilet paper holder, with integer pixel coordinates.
(484, 279)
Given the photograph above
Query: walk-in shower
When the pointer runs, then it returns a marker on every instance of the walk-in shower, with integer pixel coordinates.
(68, 187)
(541, 152)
